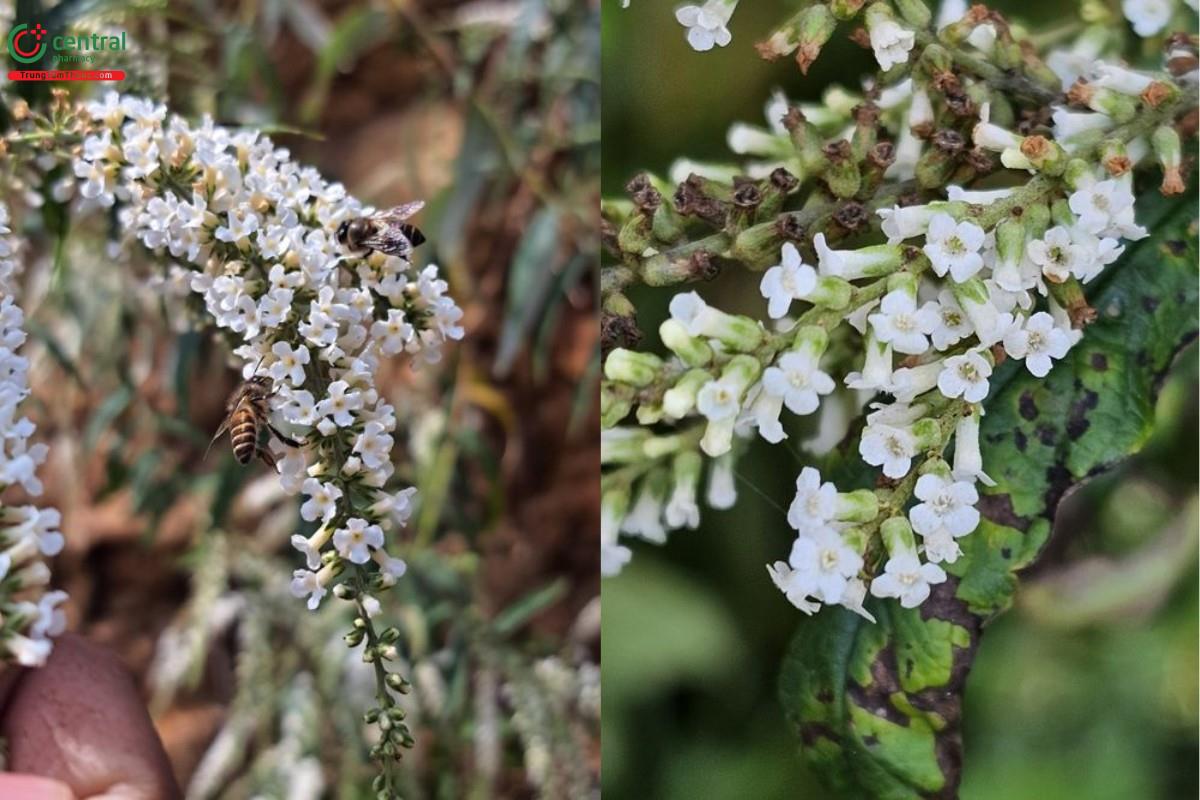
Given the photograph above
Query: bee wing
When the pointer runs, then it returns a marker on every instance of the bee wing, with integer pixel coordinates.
(389, 239)
(392, 216)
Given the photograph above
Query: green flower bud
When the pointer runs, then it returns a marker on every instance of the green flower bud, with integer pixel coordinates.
(667, 224)
(634, 237)
(659, 446)
(691, 349)
(831, 292)
(897, 536)
(841, 173)
(622, 445)
(396, 681)
(914, 12)
(927, 432)
(680, 399)
(389, 635)
(615, 404)
(649, 413)
(758, 246)
(815, 25)
(632, 367)
(1076, 172)
(846, 9)
(861, 505)
(935, 466)
(810, 340)
(1165, 141)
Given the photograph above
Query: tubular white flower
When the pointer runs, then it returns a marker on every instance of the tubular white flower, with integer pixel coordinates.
(953, 247)
(965, 376)
(901, 324)
(1039, 341)
(787, 281)
(851, 265)
(907, 579)
(890, 40)
(1148, 17)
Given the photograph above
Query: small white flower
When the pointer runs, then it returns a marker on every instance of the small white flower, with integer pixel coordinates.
(906, 578)
(393, 334)
(900, 223)
(889, 447)
(722, 491)
(764, 411)
(356, 540)
(815, 503)
(1095, 254)
(311, 546)
(373, 445)
(1100, 205)
(645, 518)
(900, 324)
(965, 376)
(719, 400)
(797, 586)
(290, 363)
(1148, 17)
(947, 504)
(789, 280)
(682, 510)
(797, 378)
(953, 247)
(940, 547)
(613, 558)
(322, 500)
(891, 42)
(953, 325)
(310, 584)
(707, 24)
(340, 403)
(828, 562)
(1056, 254)
(1039, 341)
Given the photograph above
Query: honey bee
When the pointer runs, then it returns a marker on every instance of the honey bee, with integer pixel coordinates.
(246, 414)
(385, 231)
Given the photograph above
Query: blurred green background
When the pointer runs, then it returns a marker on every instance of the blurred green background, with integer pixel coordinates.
(1087, 689)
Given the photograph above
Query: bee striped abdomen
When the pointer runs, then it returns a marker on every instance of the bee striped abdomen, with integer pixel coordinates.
(243, 432)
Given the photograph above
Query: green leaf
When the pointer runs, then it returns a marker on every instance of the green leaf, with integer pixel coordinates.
(878, 707)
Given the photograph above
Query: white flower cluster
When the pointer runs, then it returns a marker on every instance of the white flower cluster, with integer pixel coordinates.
(29, 614)
(959, 285)
(251, 233)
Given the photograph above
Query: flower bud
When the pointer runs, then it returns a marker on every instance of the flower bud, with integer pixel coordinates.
(632, 367)
(1010, 251)
(1165, 140)
(914, 12)
(840, 172)
(615, 404)
(622, 445)
(831, 292)
(396, 681)
(846, 9)
(897, 535)
(861, 505)
(757, 246)
(811, 340)
(680, 399)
